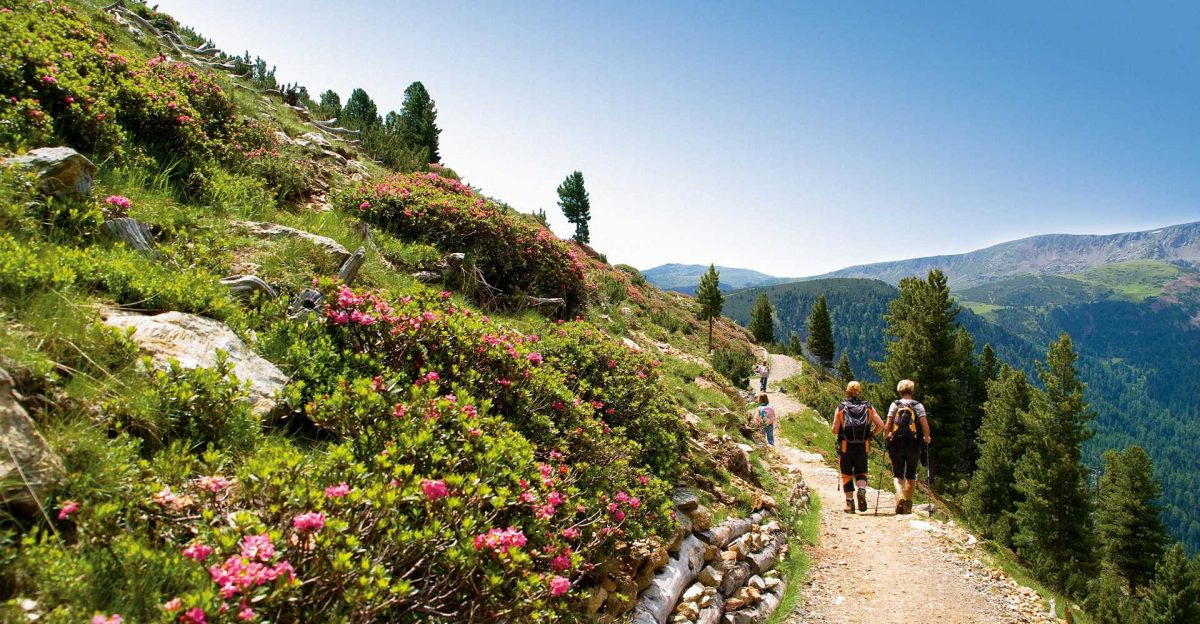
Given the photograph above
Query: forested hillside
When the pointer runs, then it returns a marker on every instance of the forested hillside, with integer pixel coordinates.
(1134, 325)
(856, 307)
(685, 278)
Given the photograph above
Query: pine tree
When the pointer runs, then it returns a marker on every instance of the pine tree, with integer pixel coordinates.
(709, 296)
(330, 105)
(762, 323)
(418, 121)
(1174, 597)
(360, 111)
(1108, 601)
(1128, 522)
(1053, 514)
(576, 207)
(924, 346)
(844, 371)
(795, 347)
(988, 366)
(820, 332)
(992, 494)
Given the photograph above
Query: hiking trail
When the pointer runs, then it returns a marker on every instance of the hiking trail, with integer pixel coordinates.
(885, 568)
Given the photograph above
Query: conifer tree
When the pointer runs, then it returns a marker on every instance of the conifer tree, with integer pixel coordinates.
(992, 494)
(794, 346)
(330, 104)
(1128, 523)
(1174, 597)
(988, 366)
(709, 296)
(360, 112)
(576, 207)
(418, 121)
(1107, 600)
(844, 371)
(820, 332)
(924, 346)
(1053, 512)
(762, 323)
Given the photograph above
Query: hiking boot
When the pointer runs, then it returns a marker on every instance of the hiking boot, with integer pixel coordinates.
(905, 507)
(849, 506)
(900, 507)
(862, 499)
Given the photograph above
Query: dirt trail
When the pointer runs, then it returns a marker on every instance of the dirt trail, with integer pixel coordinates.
(870, 568)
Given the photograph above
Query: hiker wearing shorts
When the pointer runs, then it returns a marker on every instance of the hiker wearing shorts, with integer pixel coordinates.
(763, 370)
(854, 424)
(907, 432)
(764, 418)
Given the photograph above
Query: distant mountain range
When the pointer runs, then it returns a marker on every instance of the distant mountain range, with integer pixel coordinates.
(1049, 254)
(685, 278)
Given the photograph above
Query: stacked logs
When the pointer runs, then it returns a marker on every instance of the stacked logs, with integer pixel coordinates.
(717, 574)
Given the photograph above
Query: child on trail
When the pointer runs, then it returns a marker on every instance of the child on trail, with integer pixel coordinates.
(854, 422)
(907, 428)
(763, 370)
(764, 418)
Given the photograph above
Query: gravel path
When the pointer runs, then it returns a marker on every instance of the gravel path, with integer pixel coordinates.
(888, 568)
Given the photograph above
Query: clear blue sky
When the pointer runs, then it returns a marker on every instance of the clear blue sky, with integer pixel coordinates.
(791, 138)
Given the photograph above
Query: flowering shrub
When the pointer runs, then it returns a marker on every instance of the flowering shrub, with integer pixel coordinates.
(624, 389)
(515, 254)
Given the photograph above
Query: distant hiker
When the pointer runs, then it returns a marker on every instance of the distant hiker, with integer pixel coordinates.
(854, 423)
(907, 430)
(764, 418)
(763, 370)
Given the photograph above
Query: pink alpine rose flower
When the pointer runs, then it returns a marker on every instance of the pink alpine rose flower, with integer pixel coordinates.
(310, 521)
(197, 551)
(559, 585)
(68, 508)
(337, 491)
(434, 489)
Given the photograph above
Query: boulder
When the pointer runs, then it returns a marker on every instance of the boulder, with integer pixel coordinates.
(193, 341)
(28, 467)
(61, 171)
(685, 500)
(701, 519)
(275, 231)
(595, 600)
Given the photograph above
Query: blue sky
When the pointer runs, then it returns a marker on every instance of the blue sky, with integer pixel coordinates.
(791, 138)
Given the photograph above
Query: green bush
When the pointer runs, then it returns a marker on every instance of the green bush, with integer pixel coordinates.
(635, 275)
(734, 365)
(200, 407)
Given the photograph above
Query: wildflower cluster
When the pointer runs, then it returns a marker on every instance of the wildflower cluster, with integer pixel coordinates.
(515, 254)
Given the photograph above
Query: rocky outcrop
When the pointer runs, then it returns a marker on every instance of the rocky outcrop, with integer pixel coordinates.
(193, 341)
(275, 231)
(28, 467)
(61, 171)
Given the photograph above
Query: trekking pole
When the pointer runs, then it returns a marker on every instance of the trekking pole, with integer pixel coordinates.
(879, 484)
(928, 477)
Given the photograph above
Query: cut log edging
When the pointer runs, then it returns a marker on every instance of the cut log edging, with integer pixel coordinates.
(722, 574)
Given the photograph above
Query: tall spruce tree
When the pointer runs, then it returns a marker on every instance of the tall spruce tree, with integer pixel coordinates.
(1053, 512)
(988, 365)
(1174, 597)
(992, 495)
(709, 296)
(924, 346)
(418, 121)
(844, 371)
(762, 322)
(360, 111)
(1128, 521)
(576, 207)
(795, 347)
(820, 332)
(1108, 600)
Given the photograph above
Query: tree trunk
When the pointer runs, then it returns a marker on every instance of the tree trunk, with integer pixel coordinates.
(710, 334)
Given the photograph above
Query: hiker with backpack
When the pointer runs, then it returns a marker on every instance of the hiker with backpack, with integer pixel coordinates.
(854, 423)
(763, 370)
(908, 434)
(764, 418)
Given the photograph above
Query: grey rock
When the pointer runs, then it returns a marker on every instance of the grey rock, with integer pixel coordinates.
(274, 231)
(684, 499)
(193, 341)
(61, 170)
(130, 231)
(427, 277)
(28, 466)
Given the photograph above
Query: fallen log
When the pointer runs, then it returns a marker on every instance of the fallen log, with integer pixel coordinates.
(350, 267)
(243, 287)
(656, 603)
(130, 231)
